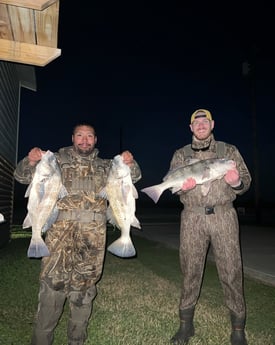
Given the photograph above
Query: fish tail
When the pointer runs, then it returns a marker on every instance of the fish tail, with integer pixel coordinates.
(154, 192)
(37, 248)
(122, 247)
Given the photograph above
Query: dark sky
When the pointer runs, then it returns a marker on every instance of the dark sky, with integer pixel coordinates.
(137, 72)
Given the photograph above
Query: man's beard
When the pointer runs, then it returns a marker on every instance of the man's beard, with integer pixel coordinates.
(84, 153)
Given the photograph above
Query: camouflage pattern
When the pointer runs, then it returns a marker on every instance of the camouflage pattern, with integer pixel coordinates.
(221, 229)
(77, 253)
(77, 245)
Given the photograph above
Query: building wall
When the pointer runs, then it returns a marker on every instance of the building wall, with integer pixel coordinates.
(10, 86)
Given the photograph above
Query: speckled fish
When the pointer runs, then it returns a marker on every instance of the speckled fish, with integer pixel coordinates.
(203, 171)
(121, 195)
(43, 192)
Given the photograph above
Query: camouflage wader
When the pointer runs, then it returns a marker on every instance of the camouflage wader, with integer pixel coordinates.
(71, 272)
(76, 243)
(222, 230)
(211, 219)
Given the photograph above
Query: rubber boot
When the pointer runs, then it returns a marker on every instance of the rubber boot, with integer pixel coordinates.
(237, 335)
(186, 330)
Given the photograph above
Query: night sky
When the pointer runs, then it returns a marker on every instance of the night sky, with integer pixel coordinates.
(138, 72)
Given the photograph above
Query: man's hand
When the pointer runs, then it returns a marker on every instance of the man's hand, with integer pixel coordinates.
(127, 157)
(35, 155)
(190, 183)
(232, 177)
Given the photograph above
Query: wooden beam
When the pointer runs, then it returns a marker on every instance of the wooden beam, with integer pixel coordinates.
(26, 53)
(30, 26)
(22, 24)
(33, 4)
(47, 26)
(5, 23)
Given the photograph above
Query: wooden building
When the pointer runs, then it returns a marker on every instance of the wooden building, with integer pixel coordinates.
(28, 38)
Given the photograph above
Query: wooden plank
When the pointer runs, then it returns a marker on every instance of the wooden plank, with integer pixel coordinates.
(47, 26)
(5, 24)
(25, 53)
(33, 4)
(23, 24)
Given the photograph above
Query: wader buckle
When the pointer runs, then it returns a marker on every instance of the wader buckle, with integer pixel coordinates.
(209, 210)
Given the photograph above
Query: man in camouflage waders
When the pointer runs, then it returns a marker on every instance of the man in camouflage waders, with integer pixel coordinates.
(76, 241)
(211, 219)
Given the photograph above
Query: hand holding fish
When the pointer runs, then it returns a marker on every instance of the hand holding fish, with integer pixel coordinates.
(35, 155)
(232, 177)
(127, 157)
(203, 172)
(190, 183)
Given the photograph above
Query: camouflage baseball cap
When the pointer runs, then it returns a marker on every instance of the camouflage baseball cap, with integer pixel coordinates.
(201, 113)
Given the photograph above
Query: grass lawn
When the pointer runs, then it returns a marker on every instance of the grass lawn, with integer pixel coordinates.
(137, 301)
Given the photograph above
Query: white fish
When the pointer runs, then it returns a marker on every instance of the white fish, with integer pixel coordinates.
(203, 171)
(121, 194)
(43, 192)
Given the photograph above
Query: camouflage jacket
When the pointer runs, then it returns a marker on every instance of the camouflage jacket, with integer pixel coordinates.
(83, 177)
(220, 192)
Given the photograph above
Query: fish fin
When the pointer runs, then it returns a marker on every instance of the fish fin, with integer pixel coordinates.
(27, 222)
(135, 192)
(205, 188)
(122, 247)
(37, 248)
(190, 161)
(154, 192)
(135, 223)
(175, 189)
(63, 192)
(187, 162)
(103, 193)
(110, 217)
(28, 190)
(113, 222)
(51, 219)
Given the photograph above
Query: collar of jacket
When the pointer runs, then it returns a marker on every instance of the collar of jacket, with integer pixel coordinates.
(202, 145)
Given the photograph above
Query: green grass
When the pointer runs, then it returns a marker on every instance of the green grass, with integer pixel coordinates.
(137, 301)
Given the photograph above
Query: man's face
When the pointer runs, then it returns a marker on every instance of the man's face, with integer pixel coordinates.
(84, 140)
(202, 128)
